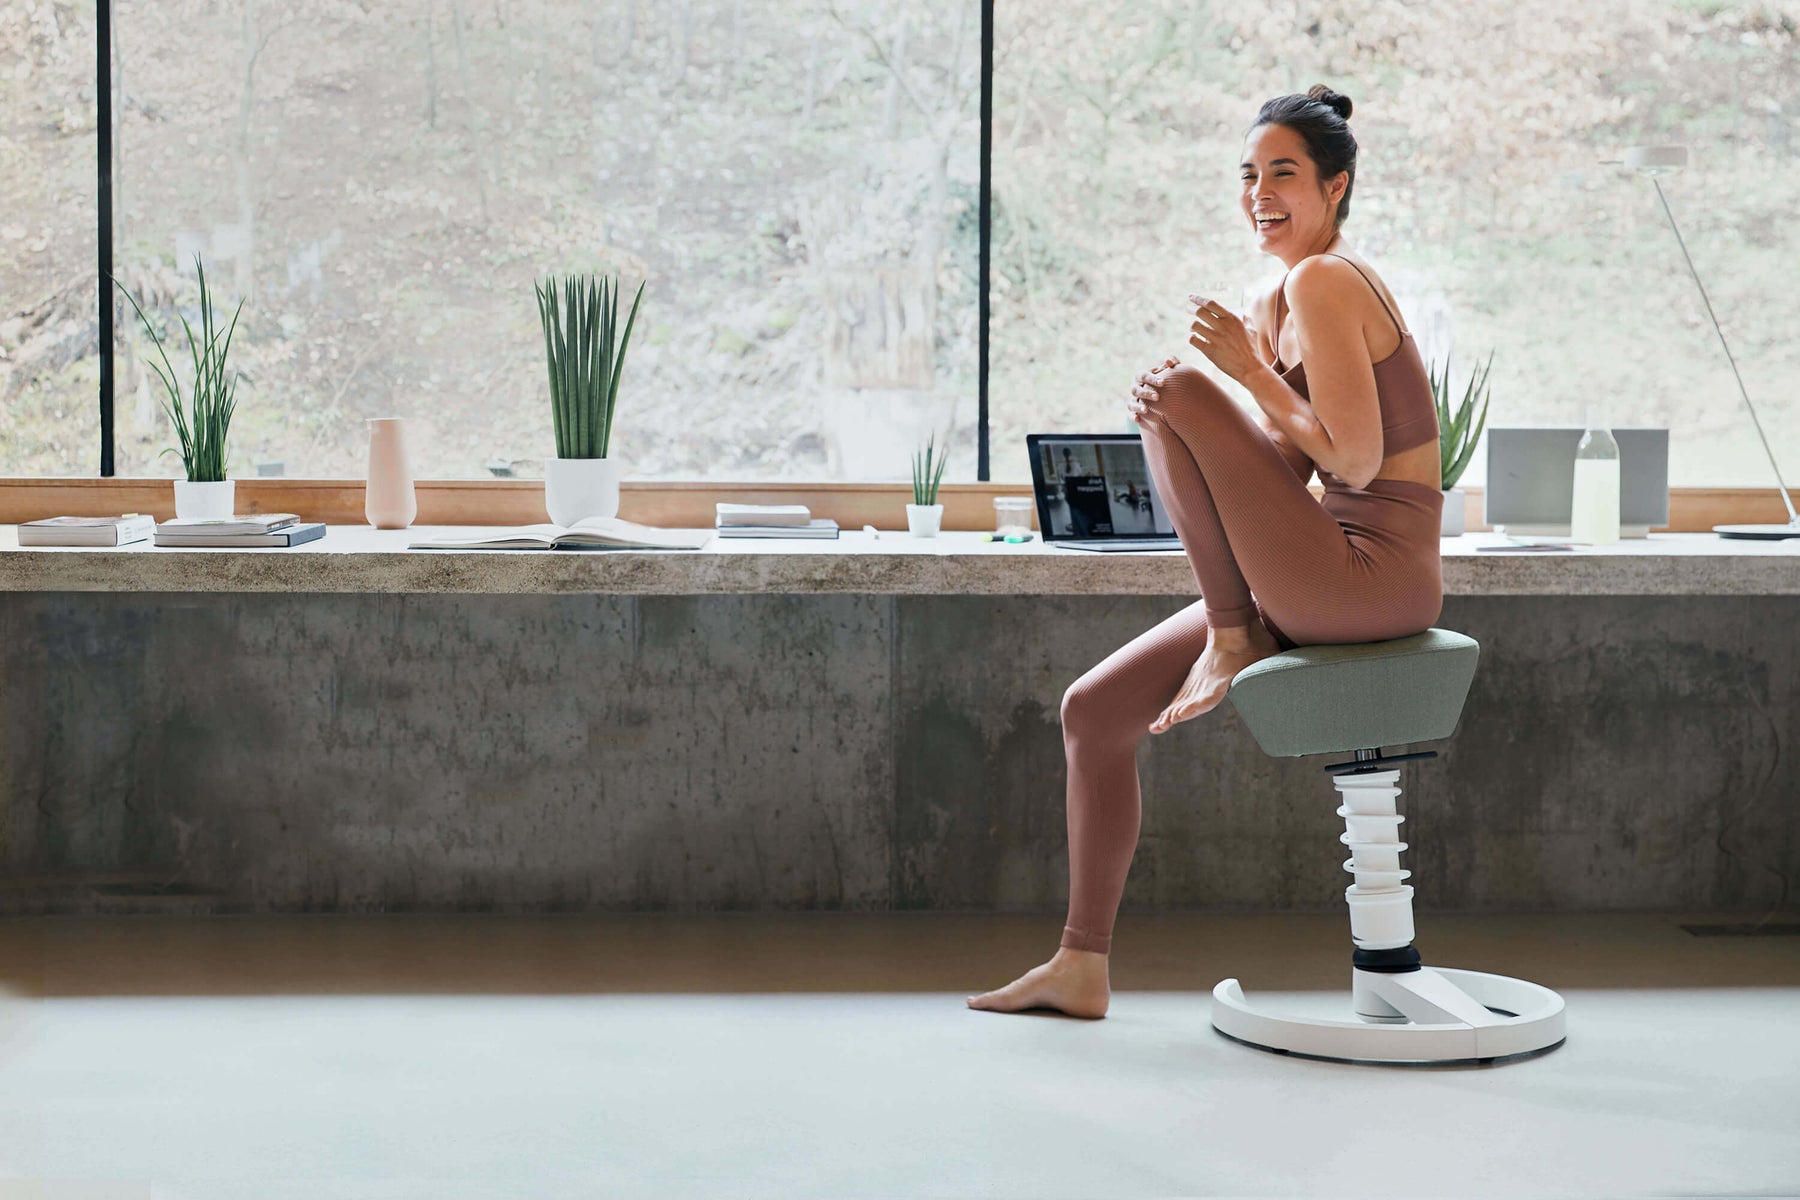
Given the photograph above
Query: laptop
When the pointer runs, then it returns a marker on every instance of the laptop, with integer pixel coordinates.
(1531, 480)
(1094, 492)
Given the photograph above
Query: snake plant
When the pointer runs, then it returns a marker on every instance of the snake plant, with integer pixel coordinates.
(925, 478)
(584, 351)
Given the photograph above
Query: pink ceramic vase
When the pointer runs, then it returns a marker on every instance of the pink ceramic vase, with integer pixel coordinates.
(388, 501)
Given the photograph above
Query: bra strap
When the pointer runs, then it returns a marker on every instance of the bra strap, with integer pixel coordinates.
(1280, 295)
(1376, 290)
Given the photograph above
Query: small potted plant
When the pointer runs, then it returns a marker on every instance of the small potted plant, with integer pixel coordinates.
(584, 351)
(204, 421)
(924, 515)
(1457, 435)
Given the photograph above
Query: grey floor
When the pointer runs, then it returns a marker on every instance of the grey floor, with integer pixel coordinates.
(831, 1056)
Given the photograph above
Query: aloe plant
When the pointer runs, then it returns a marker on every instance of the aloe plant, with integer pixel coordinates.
(925, 477)
(202, 424)
(1456, 436)
(584, 352)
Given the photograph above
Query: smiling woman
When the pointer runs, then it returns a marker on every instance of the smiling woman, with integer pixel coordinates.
(1276, 567)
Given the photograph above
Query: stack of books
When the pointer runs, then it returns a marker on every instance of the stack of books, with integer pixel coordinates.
(87, 531)
(772, 520)
(269, 529)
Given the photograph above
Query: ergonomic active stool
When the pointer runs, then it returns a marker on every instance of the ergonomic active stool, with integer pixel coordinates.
(1339, 699)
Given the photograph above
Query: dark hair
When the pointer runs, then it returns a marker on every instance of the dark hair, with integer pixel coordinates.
(1322, 119)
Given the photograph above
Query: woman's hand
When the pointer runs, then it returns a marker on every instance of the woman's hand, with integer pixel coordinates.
(1224, 337)
(1145, 391)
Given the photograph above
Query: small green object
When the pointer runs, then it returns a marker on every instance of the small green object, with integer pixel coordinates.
(1018, 537)
(925, 477)
(987, 537)
(584, 352)
(202, 426)
(1457, 432)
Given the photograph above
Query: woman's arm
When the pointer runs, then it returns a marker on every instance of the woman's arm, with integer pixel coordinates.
(1340, 428)
(1262, 324)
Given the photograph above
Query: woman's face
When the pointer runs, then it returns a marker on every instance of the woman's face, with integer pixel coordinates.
(1281, 197)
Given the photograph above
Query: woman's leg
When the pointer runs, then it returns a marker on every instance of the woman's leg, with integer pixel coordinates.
(1105, 714)
(1309, 575)
(1209, 457)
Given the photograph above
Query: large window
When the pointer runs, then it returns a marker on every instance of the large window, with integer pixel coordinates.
(381, 184)
(799, 181)
(49, 292)
(1480, 195)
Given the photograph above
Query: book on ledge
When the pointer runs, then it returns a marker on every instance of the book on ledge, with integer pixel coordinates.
(227, 526)
(87, 531)
(593, 533)
(760, 514)
(821, 527)
(171, 533)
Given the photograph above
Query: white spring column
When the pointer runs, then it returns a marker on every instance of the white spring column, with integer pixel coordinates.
(1381, 916)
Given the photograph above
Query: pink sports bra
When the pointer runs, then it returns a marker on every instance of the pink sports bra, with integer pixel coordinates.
(1402, 387)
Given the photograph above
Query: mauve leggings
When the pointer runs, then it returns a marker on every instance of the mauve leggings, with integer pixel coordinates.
(1356, 566)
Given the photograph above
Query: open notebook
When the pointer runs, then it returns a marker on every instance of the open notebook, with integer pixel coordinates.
(593, 533)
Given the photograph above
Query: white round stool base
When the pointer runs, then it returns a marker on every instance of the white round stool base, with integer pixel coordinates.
(1450, 1016)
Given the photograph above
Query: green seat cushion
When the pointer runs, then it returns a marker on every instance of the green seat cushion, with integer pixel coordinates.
(1334, 699)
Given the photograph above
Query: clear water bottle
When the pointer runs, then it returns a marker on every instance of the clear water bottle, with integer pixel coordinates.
(1594, 516)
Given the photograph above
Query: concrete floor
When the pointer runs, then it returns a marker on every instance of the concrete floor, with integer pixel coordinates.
(831, 1055)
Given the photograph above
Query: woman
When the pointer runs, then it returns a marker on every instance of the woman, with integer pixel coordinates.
(1276, 568)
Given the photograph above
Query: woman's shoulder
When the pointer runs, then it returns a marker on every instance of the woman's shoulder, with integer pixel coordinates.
(1328, 282)
(1324, 273)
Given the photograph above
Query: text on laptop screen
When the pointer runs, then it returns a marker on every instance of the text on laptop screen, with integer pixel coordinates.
(1099, 489)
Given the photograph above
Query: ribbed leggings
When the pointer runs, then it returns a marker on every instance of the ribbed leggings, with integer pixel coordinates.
(1356, 566)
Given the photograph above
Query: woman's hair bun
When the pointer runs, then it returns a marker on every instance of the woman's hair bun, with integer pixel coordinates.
(1336, 101)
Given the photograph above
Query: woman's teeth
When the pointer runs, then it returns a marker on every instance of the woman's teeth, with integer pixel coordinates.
(1269, 221)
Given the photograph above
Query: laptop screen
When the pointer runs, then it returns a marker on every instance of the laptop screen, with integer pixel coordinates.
(1094, 486)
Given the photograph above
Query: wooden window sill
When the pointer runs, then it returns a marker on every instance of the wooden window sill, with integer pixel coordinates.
(679, 504)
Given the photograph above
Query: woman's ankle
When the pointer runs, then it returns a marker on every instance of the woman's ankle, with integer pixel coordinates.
(1074, 938)
(1232, 637)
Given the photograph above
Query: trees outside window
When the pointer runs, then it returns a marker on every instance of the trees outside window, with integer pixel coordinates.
(49, 289)
(382, 184)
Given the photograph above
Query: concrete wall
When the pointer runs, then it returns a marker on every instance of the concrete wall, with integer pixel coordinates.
(376, 753)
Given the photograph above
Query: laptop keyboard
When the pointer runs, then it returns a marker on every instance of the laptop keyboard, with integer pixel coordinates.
(1125, 544)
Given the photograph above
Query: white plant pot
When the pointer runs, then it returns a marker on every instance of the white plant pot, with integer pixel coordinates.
(1454, 507)
(923, 519)
(578, 488)
(205, 501)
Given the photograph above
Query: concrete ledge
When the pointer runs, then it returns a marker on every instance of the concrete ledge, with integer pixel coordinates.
(374, 753)
(358, 559)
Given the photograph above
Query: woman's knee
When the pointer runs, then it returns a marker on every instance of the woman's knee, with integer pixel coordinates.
(1091, 711)
(1190, 385)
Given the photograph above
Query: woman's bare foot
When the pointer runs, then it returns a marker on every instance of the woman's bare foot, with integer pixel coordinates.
(1074, 982)
(1227, 652)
